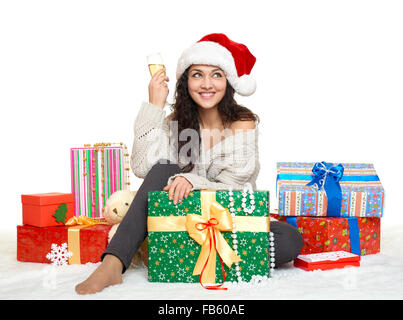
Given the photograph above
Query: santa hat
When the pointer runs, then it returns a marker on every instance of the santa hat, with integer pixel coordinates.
(218, 50)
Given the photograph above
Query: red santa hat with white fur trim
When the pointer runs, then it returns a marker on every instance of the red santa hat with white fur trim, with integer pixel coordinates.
(233, 58)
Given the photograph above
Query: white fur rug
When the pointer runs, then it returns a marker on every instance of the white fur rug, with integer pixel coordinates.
(380, 276)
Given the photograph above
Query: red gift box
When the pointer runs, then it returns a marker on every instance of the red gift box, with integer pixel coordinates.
(325, 234)
(86, 243)
(327, 260)
(39, 209)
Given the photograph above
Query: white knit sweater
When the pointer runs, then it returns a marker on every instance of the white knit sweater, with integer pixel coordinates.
(230, 163)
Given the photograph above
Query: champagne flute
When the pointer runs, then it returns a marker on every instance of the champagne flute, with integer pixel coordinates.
(155, 63)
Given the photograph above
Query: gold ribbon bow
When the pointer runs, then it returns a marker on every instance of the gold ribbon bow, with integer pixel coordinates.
(83, 221)
(206, 230)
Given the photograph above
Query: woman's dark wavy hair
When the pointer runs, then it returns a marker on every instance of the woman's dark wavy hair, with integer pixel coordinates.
(186, 114)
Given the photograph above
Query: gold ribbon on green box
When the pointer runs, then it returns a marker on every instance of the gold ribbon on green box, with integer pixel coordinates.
(206, 229)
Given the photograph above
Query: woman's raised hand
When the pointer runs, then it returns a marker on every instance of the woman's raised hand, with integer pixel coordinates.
(158, 89)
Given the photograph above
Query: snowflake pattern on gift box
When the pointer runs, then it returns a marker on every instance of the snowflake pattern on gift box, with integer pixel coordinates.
(173, 255)
(59, 255)
(174, 260)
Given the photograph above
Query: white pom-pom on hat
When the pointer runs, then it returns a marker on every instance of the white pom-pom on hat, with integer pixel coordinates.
(245, 85)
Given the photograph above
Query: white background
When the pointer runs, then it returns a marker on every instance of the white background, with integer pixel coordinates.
(329, 75)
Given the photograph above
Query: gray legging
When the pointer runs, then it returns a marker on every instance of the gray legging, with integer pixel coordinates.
(133, 229)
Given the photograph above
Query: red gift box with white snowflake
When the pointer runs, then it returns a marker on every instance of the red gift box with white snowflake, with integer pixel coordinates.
(62, 244)
(325, 234)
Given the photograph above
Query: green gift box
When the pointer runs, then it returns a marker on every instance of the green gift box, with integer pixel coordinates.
(177, 236)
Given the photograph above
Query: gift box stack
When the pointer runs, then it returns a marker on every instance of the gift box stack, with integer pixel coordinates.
(334, 207)
(68, 228)
(210, 237)
(51, 233)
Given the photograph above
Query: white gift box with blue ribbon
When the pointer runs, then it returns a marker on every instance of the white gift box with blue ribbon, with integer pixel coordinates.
(329, 189)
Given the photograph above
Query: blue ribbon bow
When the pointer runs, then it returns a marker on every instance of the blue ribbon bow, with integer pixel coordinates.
(326, 176)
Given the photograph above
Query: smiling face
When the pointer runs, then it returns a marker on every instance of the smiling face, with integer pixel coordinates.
(206, 85)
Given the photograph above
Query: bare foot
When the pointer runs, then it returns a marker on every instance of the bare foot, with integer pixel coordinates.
(107, 274)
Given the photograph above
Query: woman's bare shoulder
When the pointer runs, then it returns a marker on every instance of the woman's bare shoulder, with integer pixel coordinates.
(243, 125)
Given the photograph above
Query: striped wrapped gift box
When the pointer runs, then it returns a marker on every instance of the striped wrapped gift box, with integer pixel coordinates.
(362, 191)
(96, 172)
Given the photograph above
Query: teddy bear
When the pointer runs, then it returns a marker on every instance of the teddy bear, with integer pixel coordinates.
(115, 209)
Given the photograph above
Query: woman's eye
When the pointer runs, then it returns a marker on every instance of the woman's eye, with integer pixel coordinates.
(196, 75)
(217, 75)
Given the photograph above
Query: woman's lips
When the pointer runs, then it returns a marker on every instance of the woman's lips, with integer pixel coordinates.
(207, 95)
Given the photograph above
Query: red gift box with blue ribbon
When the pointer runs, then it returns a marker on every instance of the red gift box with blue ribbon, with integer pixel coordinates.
(361, 236)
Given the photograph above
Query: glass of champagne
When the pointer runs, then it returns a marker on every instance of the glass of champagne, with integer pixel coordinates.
(155, 63)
